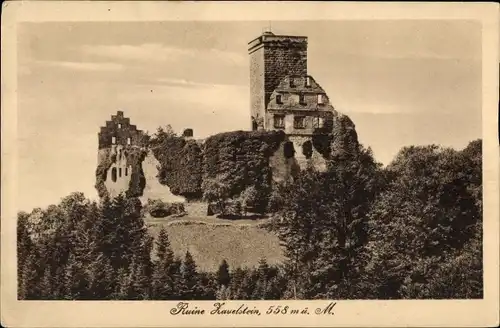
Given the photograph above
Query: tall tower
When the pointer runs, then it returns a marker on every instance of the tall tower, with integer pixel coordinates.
(272, 58)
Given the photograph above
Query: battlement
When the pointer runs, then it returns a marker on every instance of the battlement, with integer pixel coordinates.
(272, 40)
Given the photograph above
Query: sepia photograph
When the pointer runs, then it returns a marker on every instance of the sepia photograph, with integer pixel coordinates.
(249, 160)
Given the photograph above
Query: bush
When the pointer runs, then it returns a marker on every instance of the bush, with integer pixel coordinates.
(180, 163)
(240, 160)
(159, 209)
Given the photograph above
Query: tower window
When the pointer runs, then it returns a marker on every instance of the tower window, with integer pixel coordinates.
(113, 140)
(119, 126)
(317, 122)
(308, 81)
(278, 99)
(299, 122)
(279, 121)
(302, 99)
(120, 172)
(320, 99)
(126, 171)
(129, 141)
(113, 174)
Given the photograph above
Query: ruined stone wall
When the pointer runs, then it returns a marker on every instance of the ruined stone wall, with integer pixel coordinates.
(119, 131)
(119, 173)
(153, 189)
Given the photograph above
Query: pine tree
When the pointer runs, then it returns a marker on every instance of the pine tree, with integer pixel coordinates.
(188, 286)
(236, 283)
(163, 274)
(102, 277)
(260, 291)
(76, 280)
(223, 277)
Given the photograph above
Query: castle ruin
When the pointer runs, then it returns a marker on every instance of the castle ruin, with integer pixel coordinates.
(283, 97)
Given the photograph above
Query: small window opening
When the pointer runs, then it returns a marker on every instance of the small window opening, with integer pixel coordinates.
(278, 99)
(288, 150)
(120, 172)
(113, 140)
(320, 99)
(254, 125)
(279, 121)
(119, 126)
(307, 149)
(113, 174)
(126, 171)
(129, 141)
(308, 81)
(302, 100)
(299, 122)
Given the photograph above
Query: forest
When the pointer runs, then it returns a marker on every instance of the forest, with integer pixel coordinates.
(409, 230)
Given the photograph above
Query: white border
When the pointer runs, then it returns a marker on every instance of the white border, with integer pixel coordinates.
(156, 313)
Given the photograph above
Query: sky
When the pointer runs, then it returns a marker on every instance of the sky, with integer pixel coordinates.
(401, 82)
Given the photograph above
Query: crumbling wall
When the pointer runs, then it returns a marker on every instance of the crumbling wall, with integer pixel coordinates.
(153, 189)
(119, 170)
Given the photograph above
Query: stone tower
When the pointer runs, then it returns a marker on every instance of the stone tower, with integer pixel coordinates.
(284, 97)
(272, 57)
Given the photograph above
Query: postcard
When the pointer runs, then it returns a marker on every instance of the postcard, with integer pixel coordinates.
(256, 164)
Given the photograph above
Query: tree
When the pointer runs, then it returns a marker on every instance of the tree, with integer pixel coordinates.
(426, 215)
(163, 274)
(188, 286)
(248, 198)
(323, 222)
(216, 191)
(223, 276)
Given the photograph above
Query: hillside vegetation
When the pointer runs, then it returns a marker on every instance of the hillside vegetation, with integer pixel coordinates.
(241, 243)
(411, 230)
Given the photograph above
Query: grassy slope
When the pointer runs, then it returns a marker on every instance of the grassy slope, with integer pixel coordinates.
(242, 242)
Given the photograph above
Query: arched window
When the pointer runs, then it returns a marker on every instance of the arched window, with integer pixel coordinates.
(288, 149)
(113, 174)
(307, 149)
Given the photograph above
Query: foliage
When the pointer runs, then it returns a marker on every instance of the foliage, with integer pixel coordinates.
(330, 209)
(214, 190)
(180, 163)
(240, 160)
(412, 230)
(160, 209)
(223, 277)
(134, 157)
(248, 199)
(425, 223)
